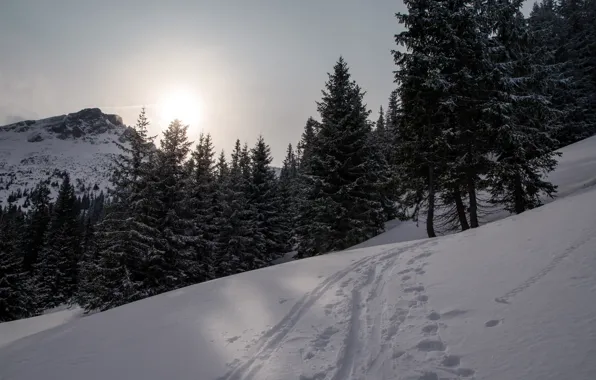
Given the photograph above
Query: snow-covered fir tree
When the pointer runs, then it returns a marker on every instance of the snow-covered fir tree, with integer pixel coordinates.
(58, 264)
(522, 123)
(266, 204)
(17, 297)
(115, 271)
(342, 204)
(37, 222)
(204, 207)
(235, 235)
(288, 193)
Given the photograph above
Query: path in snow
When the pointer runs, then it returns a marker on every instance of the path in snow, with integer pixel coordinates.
(365, 325)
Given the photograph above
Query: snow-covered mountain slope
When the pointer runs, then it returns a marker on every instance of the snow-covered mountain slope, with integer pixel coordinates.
(510, 300)
(80, 143)
(575, 172)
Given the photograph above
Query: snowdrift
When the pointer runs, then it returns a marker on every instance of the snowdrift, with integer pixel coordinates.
(510, 300)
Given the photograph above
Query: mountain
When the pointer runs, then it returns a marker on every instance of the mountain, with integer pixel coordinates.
(512, 299)
(80, 143)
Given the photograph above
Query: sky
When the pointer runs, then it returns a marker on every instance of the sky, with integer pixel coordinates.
(253, 67)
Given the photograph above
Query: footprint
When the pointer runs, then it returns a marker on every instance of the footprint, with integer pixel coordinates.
(405, 271)
(430, 329)
(233, 339)
(492, 323)
(451, 361)
(454, 313)
(282, 300)
(434, 316)
(429, 376)
(412, 289)
(465, 372)
(422, 298)
(420, 271)
(431, 345)
(406, 278)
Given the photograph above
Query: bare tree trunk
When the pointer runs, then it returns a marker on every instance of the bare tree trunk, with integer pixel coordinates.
(518, 195)
(473, 210)
(430, 216)
(461, 210)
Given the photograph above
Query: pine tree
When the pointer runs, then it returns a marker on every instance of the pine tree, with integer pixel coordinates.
(58, 262)
(418, 153)
(288, 193)
(342, 205)
(115, 269)
(236, 253)
(264, 199)
(36, 227)
(204, 207)
(177, 264)
(520, 115)
(15, 293)
(306, 144)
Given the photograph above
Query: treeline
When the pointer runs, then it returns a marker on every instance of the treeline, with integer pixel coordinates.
(41, 243)
(484, 97)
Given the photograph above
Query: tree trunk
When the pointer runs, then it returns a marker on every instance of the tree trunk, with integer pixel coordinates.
(518, 195)
(461, 210)
(430, 216)
(473, 203)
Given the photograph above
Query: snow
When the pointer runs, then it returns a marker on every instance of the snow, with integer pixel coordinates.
(26, 161)
(513, 299)
(15, 330)
(576, 171)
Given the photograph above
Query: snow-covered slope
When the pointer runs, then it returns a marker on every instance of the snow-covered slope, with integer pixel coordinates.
(575, 172)
(513, 299)
(80, 143)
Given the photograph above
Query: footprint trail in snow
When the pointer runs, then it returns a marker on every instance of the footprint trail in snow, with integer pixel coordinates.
(362, 320)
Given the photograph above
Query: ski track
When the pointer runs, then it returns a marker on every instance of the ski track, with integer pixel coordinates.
(271, 340)
(375, 321)
(552, 265)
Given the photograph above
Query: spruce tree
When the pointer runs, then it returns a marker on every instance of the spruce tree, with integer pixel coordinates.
(17, 299)
(116, 267)
(176, 264)
(264, 199)
(37, 223)
(235, 252)
(342, 204)
(203, 204)
(288, 193)
(519, 110)
(59, 260)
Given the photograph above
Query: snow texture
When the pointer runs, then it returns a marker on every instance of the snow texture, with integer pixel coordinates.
(510, 300)
(81, 143)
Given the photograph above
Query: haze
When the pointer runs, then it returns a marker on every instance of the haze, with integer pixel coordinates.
(258, 66)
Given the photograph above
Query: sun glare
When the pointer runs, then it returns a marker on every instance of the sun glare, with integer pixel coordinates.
(183, 105)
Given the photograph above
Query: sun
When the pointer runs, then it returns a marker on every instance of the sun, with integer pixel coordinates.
(181, 104)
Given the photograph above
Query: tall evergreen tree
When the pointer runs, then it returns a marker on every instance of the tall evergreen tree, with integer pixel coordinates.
(16, 297)
(115, 270)
(236, 253)
(37, 223)
(288, 193)
(342, 206)
(204, 207)
(520, 117)
(264, 199)
(59, 260)
(177, 265)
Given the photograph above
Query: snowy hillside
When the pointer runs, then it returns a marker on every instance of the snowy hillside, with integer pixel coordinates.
(576, 171)
(80, 143)
(510, 300)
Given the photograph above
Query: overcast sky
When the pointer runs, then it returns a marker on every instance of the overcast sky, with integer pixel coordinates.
(257, 65)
